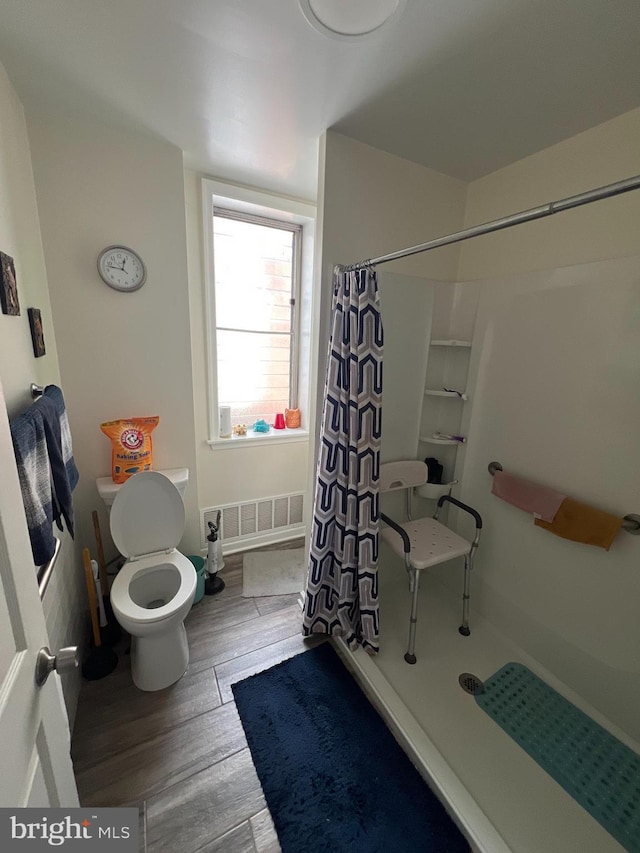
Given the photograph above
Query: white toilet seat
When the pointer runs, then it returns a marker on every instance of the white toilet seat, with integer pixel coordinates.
(147, 515)
(147, 521)
(122, 602)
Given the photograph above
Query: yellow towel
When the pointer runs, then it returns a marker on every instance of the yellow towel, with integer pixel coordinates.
(582, 523)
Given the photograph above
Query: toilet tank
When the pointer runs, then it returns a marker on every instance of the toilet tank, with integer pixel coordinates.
(108, 490)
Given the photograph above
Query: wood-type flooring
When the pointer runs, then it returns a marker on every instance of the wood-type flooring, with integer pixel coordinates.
(180, 755)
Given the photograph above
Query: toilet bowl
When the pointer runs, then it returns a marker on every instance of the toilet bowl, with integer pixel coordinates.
(154, 590)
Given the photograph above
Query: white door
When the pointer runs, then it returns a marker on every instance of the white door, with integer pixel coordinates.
(34, 730)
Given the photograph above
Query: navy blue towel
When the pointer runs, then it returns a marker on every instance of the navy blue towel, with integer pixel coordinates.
(63, 467)
(63, 504)
(32, 459)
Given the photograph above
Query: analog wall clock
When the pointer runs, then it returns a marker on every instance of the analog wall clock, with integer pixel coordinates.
(122, 268)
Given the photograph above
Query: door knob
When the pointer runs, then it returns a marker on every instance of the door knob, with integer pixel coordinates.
(66, 660)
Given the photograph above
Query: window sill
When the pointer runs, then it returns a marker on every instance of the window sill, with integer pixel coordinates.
(274, 436)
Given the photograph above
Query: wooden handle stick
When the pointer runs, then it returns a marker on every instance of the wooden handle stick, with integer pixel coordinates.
(104, 581)
(91, 592)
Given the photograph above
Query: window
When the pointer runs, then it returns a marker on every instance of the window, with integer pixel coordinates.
(259, 301)
(256, 269)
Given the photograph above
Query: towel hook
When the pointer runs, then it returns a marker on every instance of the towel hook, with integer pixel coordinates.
(36, 390)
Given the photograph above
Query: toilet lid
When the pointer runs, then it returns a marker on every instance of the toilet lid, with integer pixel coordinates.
(147, 515)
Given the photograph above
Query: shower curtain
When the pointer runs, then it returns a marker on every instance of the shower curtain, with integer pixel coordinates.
(342, 588)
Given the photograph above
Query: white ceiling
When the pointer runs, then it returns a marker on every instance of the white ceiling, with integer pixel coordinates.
(246, 87)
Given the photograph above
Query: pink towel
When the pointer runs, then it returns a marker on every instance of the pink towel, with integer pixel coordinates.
(538, 500)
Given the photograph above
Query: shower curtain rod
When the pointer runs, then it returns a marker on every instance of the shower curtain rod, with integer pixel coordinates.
(540, 212)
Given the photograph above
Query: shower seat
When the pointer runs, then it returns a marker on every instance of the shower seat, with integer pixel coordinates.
(425, 542)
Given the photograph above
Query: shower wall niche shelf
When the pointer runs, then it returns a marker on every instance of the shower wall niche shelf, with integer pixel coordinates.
(447, 368)
(434, 439)
(455, 395)
(433, 491)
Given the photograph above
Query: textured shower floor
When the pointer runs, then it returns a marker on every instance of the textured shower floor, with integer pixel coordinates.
(501, 797)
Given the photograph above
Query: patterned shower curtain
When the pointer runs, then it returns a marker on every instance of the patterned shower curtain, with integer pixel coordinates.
(342, 589)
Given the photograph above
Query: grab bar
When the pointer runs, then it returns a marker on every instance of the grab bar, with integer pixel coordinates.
(45, 571)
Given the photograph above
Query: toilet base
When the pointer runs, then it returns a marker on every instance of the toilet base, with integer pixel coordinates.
(159, 661)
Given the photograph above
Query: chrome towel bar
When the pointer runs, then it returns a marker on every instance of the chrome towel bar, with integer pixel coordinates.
(630, 523)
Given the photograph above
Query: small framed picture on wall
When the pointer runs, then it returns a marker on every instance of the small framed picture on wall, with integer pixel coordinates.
(37, 335)
(8, 286)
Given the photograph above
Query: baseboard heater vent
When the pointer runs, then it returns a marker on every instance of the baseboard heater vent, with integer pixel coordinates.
(265, 518)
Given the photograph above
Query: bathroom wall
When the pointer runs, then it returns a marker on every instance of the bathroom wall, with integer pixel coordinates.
(555, 373)
(121, 354)
(373, 203)
(233, 474)
(21, 239)
(605, 229)
(407, 328)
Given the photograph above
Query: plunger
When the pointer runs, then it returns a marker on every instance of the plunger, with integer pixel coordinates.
(101, 660)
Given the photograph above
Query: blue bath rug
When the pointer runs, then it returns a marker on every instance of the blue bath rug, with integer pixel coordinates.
(597, 769)
(333, 776)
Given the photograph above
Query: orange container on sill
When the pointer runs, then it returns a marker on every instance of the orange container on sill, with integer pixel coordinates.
(292, 418)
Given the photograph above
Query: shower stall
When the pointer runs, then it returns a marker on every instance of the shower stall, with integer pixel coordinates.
(552, 384)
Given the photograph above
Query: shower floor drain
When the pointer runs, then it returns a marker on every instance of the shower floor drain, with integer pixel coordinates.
(471, 683)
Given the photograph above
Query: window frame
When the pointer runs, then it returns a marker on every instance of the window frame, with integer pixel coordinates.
(249, 204)
(295, 229)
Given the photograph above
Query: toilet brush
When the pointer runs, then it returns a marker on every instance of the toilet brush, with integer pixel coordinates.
(215, 562)
(101, 660)
(109, 631)
(104, 581)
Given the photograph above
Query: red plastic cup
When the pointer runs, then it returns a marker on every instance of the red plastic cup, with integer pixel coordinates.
(279, 424)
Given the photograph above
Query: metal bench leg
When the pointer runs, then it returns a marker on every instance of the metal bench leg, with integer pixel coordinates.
(468, 564)
(410, 656)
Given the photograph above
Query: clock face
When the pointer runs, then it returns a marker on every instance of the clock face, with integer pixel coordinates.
(121, 268)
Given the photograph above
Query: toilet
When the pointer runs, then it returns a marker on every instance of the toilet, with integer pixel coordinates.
(154, 590)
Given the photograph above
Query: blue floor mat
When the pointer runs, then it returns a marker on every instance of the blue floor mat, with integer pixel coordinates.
(334, 777)
(598, 770)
